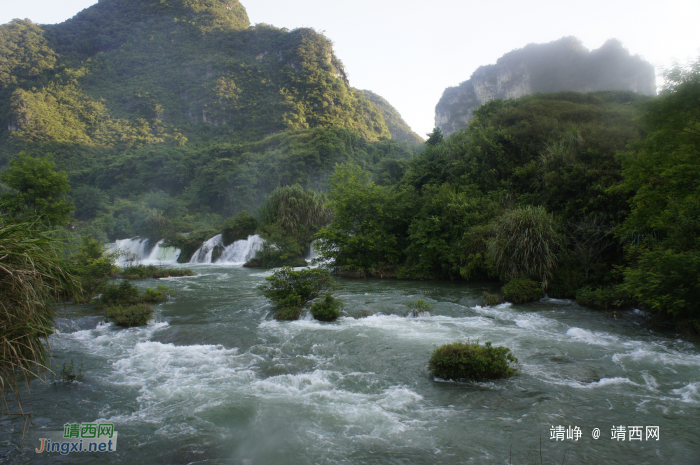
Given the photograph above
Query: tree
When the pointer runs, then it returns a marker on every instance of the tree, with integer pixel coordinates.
(661, 233)
(292, 289)
(360, 235)
(38, 190)
(435, 137)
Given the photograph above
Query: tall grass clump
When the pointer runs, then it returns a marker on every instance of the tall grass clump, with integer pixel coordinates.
(31, 281)
(526, 243)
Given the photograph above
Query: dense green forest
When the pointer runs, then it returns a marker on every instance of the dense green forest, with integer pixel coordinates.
(593, 196)
(169, 116)
(161, 118)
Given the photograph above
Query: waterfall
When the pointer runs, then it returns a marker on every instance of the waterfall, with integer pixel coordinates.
(312, 251)
(135, 251)
(241, 251)
(213, 251)
(205, 253)
(161, 254)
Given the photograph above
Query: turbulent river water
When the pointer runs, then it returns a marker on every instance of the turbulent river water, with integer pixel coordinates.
(215, 379)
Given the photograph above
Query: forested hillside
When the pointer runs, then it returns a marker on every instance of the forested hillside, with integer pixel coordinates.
(587, 196)
(184, 102)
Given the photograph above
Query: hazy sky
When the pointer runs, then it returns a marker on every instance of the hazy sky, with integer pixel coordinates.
(409, 51)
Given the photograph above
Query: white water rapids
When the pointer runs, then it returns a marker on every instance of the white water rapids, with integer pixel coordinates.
(215, 379)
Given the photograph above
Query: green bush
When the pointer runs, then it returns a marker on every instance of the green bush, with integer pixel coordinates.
(133, 315)
(666, 283)
(288, 313)
(520, 291)
(239, 227)
(302, 286)
(472, 361)
(327, 309)
(605, 298)
(125, 293)
(492, 300)
(67, 373)
(92, 266)
(292, 289)
(416, 307)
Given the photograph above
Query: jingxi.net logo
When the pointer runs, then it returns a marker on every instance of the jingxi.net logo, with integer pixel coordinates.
(85, 437)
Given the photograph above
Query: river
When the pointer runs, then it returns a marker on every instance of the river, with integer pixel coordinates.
(215, 379)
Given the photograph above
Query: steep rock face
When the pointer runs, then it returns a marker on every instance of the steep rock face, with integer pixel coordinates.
(562, 65)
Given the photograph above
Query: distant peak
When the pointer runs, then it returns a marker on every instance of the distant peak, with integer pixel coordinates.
(207, 15)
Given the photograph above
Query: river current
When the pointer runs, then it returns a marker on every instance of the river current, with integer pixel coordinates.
(215, 379)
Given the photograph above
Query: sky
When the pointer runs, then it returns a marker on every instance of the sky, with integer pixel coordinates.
(409, 51)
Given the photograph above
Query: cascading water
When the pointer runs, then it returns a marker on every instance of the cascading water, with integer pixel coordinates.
(205, 253)
(241, 251)
(161, 254)
(236, 254)
(136, 251)
(312, 251)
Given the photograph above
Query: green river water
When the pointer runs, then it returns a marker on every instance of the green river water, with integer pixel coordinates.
(217, 380)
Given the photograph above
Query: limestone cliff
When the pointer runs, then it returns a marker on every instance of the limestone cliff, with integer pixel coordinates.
(562, 65)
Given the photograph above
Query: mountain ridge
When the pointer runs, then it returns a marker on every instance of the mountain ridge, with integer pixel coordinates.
(561, 65)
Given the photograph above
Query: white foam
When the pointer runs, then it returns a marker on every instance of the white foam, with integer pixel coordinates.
(590, 337)
(689, 393)
(241, 251)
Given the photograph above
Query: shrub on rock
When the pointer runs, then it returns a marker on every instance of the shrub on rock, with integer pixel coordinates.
(416, 307)
(133, 315)
(327, 309)
(491, 300)
(288, 314)
(472, 361)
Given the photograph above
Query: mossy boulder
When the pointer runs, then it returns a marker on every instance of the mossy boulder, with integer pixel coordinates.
(491, 300)
(522, 290)
(473, 362)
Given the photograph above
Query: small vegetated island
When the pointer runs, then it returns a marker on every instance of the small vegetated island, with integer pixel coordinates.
(472, 362)
(292, 290)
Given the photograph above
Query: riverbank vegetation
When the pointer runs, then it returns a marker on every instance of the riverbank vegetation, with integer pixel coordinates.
(154, 272)
(586, 196)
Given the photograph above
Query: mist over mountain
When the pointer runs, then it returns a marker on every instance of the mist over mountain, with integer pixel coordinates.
(561, 65)
(185, 98)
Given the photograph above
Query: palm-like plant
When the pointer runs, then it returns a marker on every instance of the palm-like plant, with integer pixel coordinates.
(526, 242)
(298, 211)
